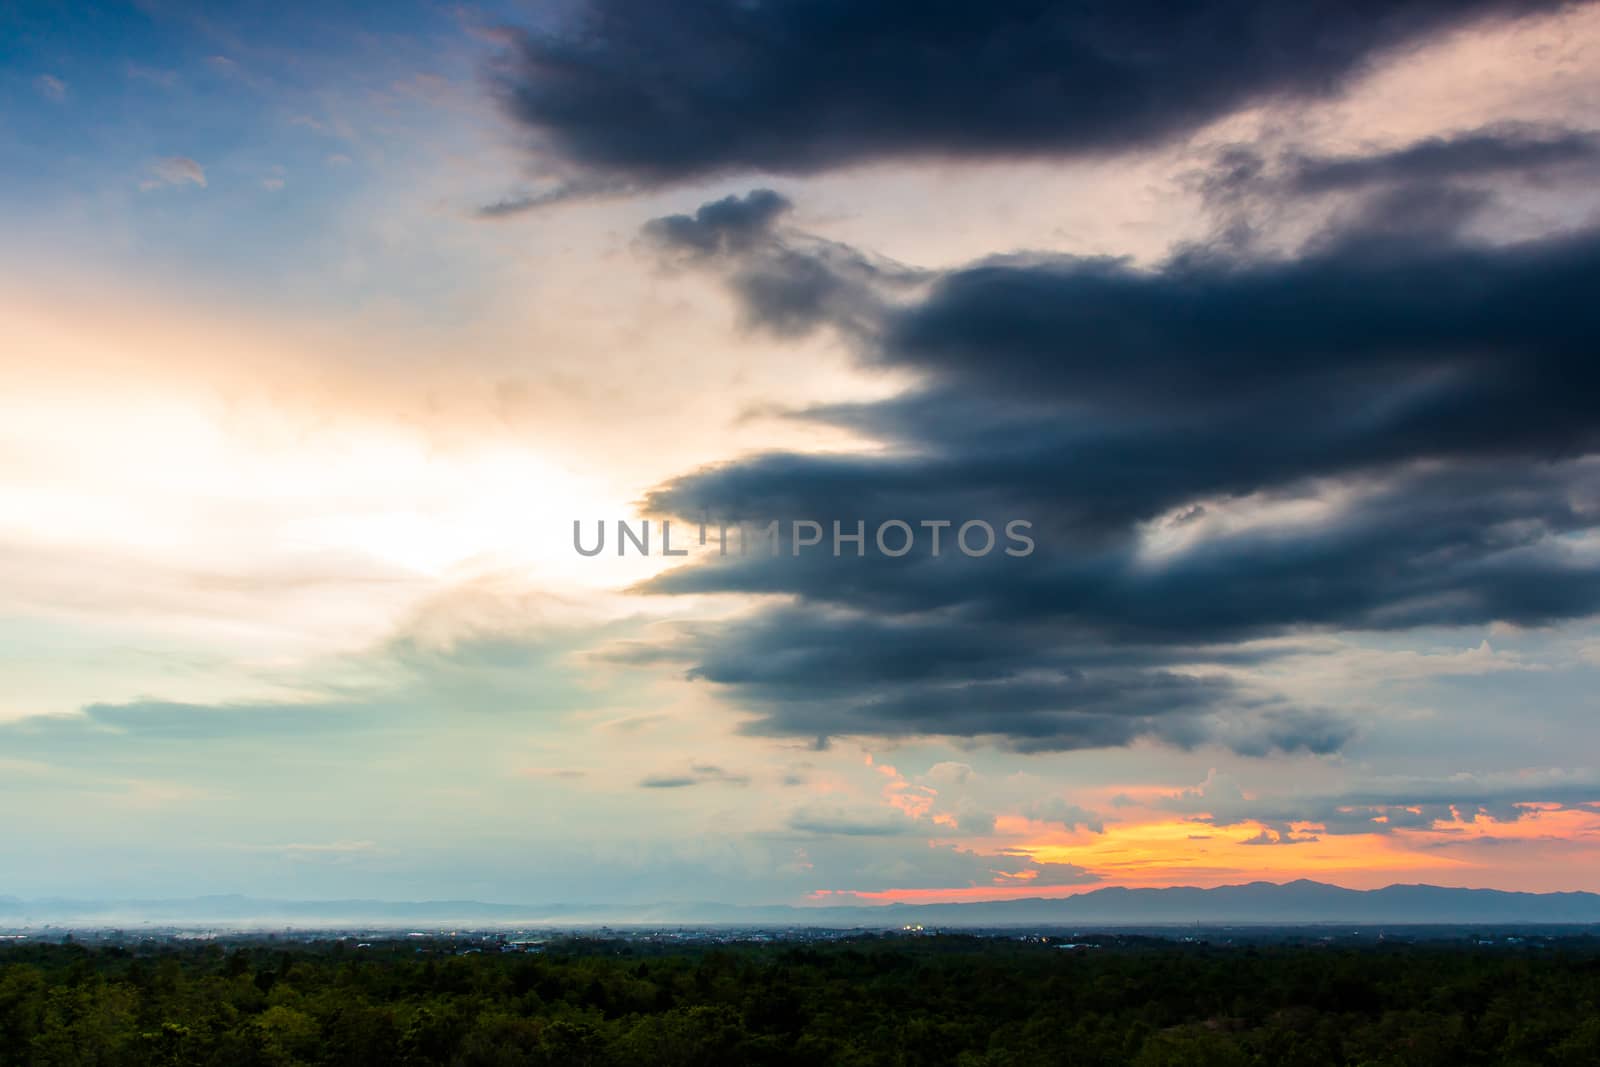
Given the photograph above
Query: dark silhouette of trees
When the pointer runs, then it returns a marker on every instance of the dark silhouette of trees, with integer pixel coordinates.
(898, 1002)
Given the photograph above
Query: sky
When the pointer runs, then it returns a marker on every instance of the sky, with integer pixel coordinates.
(322, 325)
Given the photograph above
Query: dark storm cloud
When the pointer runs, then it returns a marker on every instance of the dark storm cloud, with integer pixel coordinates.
(650, 93)
(1049, 713)
(1511, 149)
(820, 672)
(1442, 324)
(1389, 429)
(1486, 543)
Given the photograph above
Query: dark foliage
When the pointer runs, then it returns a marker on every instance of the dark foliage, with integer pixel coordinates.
(935, 1000)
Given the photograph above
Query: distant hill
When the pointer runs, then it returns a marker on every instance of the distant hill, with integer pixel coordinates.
(1269, 903)
(1266, 903)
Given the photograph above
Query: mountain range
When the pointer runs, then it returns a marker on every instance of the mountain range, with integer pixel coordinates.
(1265, 903)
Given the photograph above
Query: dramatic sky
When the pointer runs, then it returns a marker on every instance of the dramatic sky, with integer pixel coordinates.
(321, 324)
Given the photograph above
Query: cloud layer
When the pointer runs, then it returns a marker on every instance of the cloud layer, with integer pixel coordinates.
(1387, 428)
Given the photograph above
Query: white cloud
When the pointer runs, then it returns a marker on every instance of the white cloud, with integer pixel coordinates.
(50, 86)
(174, 170)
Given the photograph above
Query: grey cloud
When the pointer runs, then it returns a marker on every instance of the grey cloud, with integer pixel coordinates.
(1294, 730)
(520, 203)
(731, 224)
(1516, 150)
(1279, 837)
(155, 722)
(1428, 189)
(1385, 805)
(1066, 815)
(698, 774)
(787, 282)
(838, 822)
(975, 822)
